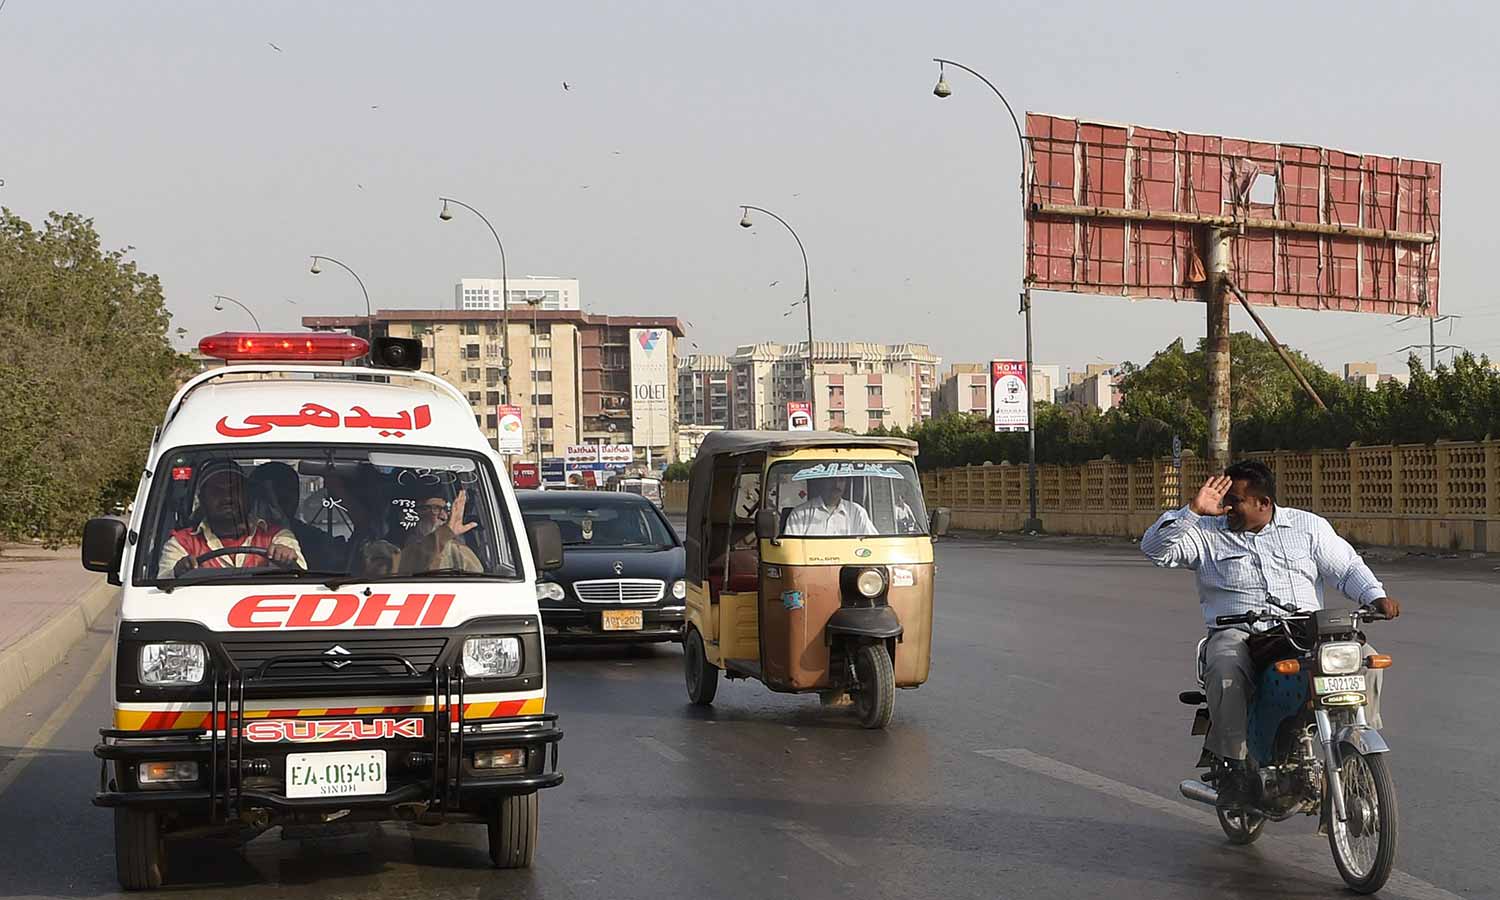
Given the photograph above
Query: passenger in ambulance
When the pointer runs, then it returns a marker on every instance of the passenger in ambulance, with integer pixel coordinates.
(222, 518)
(277, 484)
(436, 543)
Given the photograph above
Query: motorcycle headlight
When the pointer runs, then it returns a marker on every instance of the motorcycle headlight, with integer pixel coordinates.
(870, 582)
(492, 657)
(1339, 658)
(679, 589)
(172, 663)
(549, 590)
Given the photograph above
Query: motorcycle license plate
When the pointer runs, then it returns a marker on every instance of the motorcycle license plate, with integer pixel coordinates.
(1339, 684)
(348, 774)
(623, 620)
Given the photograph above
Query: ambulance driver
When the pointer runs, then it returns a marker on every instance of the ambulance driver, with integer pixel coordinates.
(224, 519)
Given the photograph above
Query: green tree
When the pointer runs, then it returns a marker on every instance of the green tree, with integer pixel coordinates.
(86, 371)
(677, 471)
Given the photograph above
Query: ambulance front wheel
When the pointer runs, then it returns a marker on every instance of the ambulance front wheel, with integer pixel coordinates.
(513, 831)
(140, 849)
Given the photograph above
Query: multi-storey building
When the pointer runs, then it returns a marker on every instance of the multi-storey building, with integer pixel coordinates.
(966, 389)
(575, 376)
(1097, 386)
(856, 385)
(484, 293)
(703, 390)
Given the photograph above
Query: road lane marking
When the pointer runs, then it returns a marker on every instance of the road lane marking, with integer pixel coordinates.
(1297, 854)
(55, 722)
(662, 750)
(1045, 684)
(814, 842)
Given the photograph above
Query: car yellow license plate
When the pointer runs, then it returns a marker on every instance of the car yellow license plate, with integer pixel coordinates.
(623, 620)
(345, 774)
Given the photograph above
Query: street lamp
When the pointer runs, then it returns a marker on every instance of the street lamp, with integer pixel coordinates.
(447, 216)
(745, 222)
(219, 307)
(942, 90)
(369, 316)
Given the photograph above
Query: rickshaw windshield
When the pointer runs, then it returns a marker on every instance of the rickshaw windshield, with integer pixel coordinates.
(323, 514)
(834, 498)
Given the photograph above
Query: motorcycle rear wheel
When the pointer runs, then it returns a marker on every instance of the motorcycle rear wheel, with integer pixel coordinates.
(1241, 827)
(1364, 846)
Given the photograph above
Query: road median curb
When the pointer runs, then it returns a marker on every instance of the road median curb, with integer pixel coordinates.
(28, 659)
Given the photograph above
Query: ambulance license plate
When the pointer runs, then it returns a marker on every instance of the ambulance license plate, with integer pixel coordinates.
(623, 620)
(351, 773)
(1339, 684)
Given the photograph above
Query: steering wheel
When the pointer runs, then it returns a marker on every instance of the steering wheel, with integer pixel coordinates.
(237, 551)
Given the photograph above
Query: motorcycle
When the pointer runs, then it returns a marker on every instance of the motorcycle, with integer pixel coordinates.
(1311, 750)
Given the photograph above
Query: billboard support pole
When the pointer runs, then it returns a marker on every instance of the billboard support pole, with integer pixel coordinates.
(1218, 345)
(1033, 523)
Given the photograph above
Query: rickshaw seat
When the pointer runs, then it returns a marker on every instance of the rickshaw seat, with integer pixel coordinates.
(744, 575)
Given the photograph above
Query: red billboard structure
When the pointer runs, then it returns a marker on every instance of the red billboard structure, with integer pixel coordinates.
(1127, 210)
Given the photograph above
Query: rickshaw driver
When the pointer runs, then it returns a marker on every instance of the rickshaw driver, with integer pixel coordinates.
(227, 522)
(827, 514)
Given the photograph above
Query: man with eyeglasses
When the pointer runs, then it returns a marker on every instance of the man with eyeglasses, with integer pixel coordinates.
(436, 543)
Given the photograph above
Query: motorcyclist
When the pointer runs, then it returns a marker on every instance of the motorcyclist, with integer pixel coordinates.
(1245, 548)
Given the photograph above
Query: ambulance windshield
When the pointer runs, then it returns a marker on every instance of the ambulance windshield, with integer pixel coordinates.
(324, 514)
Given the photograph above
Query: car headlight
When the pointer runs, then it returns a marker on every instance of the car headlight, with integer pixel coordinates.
(679, 589)
(492, 657)
(1340, 658)
(870, 582)
(549, 590)
(173, 663)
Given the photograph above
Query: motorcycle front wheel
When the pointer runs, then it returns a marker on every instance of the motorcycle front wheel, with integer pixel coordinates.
(1364, 845)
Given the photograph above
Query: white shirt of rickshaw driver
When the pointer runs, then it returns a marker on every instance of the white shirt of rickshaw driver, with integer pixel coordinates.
(815, 519)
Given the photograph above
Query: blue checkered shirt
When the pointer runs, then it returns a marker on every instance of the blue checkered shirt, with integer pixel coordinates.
(1289, 559)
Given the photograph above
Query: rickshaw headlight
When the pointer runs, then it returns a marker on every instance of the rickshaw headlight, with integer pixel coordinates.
(1340, 658)
(870, 582)
(172, 663)
(492, 657)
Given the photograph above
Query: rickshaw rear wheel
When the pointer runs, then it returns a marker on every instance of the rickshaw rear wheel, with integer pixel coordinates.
(702, 676)
(875, 695)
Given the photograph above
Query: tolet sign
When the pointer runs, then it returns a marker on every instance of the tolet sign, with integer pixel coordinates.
(317, 416)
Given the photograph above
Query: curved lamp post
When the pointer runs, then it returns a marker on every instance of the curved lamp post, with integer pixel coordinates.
(219, 306)
(369, 316)
(447, 216)
(806, 298)
(942, 90)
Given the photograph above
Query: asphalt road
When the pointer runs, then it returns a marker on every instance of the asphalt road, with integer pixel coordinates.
(1041, 760)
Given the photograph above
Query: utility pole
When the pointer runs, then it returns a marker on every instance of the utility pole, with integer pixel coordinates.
(1218, 291)
(1432, 345)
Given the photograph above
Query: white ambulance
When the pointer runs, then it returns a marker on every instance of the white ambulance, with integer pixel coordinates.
(329, 609)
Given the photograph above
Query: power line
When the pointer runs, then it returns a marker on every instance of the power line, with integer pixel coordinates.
(1432, 346)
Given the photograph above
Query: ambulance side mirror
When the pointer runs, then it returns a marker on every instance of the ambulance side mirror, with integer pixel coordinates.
(104, 546)
(546, 545)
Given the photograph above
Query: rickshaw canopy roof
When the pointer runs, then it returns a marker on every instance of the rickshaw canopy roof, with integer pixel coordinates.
(734, 443)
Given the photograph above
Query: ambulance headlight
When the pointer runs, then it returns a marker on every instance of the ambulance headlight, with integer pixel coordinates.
(492, 657)
(172, 663)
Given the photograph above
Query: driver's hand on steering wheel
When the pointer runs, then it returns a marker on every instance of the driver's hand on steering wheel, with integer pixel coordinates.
(283, 554)
(187, 562)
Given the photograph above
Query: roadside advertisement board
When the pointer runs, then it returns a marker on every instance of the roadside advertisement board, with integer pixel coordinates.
(581, 453)
(799, 415)
(1010, 398)
(525, 475)
(650, 376)
(617, 454)
(512, 440)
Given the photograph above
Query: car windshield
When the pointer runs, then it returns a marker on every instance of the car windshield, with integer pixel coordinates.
(834, 498)
(614, 525)
(323, 514)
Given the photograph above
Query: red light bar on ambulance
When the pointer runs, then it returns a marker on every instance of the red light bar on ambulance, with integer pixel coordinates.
(289, 346)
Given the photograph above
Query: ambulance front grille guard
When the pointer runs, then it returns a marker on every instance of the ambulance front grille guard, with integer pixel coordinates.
(226, 733)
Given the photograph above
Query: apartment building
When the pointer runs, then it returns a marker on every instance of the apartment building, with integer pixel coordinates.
(485, 293)
(703, 390)
(965, 389)
(1097, 386)
(856, 386)
(578, 378)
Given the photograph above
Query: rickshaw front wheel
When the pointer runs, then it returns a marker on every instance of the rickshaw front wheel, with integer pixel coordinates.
(875, 695)
(702, 676)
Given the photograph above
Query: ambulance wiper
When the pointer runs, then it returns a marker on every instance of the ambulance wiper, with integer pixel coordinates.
(167, 585)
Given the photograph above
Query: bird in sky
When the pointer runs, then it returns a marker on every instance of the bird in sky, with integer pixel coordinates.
(291, 301)
(375, 106)
(274, 47)
(566, 86)
(774, 283)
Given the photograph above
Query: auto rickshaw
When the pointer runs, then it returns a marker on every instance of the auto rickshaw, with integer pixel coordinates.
(809, 567)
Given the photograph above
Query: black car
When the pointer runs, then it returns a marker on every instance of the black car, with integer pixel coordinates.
(622, 574)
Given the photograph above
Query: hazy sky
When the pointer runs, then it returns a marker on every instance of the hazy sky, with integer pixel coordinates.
(226, 162)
